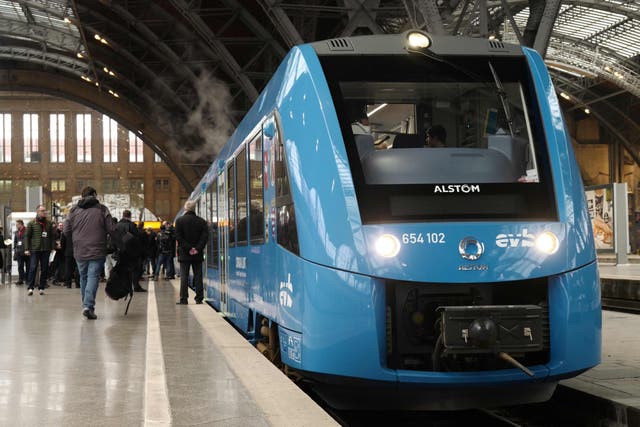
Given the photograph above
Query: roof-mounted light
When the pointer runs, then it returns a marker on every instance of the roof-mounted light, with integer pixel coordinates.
(418, 40)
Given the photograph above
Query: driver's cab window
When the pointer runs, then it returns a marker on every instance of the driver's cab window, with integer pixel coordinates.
(466, 122)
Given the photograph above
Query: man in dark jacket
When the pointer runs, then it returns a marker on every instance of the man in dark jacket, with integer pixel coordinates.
(171, 271)
(130, 256)
(18, 255)
(192, 236)
(37, 246)
(87, 226)
(166, 247)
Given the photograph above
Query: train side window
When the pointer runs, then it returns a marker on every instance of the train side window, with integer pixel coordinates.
(256, 187)
(286, 228)
(241, 197)
(199, 208)
(212, 249)
(231, 203)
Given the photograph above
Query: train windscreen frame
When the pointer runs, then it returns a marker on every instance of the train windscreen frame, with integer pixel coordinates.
(493, 164)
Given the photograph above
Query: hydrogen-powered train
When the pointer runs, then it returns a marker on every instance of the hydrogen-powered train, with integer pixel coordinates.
(390, 273)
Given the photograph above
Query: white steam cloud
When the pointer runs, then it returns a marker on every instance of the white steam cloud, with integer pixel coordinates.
(209, 120)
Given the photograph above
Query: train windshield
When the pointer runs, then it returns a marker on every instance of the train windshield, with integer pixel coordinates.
(450, 139)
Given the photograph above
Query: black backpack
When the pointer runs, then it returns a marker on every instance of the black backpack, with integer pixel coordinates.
(125, 242)
(119, 284)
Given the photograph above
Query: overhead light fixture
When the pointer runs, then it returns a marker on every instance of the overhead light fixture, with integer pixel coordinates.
(114, 94)
(564, 95)
(86, 79)
(618, 75)
(375, 110)
(80, 55)
(572, 70)
(67, 20)
(100, 39)
(587, 111)
(607, 68)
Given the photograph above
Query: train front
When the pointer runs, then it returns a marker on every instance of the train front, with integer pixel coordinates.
(469, 278)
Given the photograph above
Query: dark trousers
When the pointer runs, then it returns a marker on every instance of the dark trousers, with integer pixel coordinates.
(163, 261)
(23, 267)
(71, 271)
(58, 267)
(172, 268)
(42, 258)
(196, 266)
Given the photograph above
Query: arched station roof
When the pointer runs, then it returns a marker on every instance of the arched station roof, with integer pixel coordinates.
(182, 73)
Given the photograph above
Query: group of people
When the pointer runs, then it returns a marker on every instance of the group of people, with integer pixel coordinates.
(90, 236)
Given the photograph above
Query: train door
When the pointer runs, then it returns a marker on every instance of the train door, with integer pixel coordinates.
(223, 229)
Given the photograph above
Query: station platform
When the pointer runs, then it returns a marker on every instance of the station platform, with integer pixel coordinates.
(165, 364)
(162, 364)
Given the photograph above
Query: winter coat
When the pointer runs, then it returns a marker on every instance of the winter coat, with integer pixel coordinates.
(87, 225)
(191, 232)
(67, 245)
(18, 242)
(134, 248)
(39, 235)
(167, 242)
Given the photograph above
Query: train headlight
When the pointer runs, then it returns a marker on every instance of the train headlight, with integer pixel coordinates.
(387, 246)
(548, 243)
(418, 40)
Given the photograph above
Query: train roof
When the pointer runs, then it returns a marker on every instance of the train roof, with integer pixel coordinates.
(397, 44)
(383, 44)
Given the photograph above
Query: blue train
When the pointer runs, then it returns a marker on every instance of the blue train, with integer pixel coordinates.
(390, 271)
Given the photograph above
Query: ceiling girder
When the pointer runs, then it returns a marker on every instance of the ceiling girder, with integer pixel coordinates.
(52, 36)
(545, 28)
(49, 59)
(281, 22)
(431, 16)
(361, 15)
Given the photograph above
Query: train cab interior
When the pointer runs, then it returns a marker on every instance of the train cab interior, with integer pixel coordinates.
(477, 140)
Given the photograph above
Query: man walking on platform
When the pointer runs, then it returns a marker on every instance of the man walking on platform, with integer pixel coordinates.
(192, 236)
(87, 226)
(37, 246)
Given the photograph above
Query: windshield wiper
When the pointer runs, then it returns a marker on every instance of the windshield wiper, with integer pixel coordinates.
(503, 99)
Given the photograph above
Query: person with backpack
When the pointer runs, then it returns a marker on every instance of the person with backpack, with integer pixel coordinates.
(37, 246)
(166, 245)
(88, 224)
(130, 253)
(192, 236)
